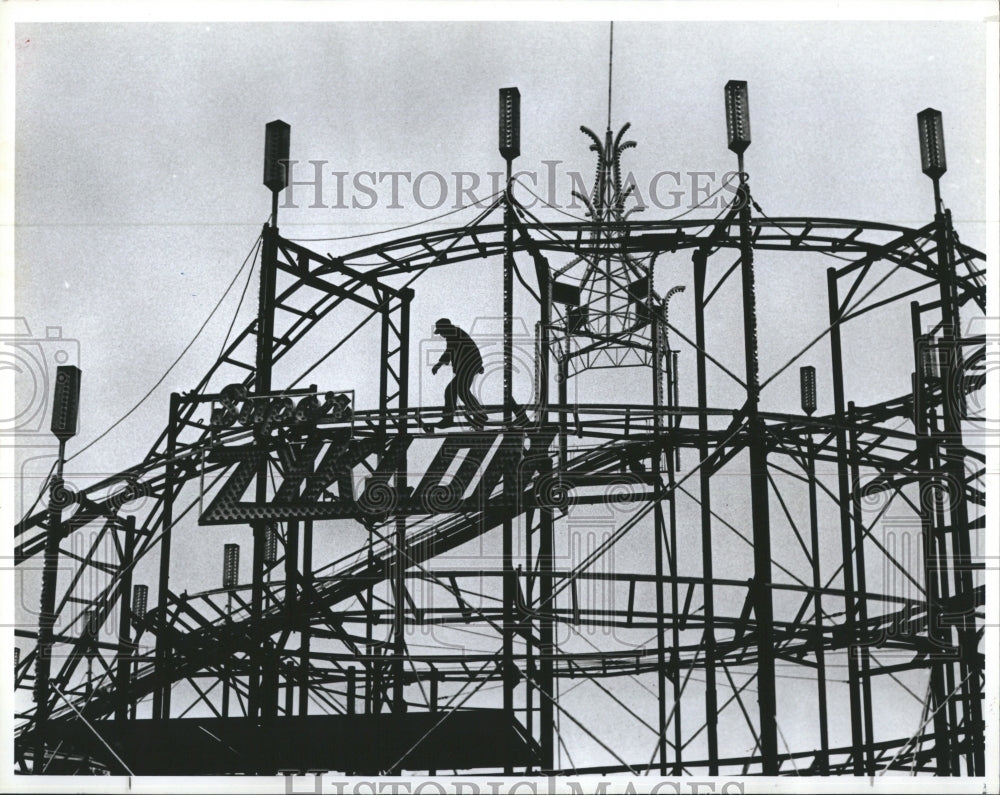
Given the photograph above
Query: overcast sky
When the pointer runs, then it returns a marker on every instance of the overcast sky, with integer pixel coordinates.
(139, 147)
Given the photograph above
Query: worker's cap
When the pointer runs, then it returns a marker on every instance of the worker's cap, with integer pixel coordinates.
(442, 324)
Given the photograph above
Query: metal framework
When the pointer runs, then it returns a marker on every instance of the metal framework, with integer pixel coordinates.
(555, 593)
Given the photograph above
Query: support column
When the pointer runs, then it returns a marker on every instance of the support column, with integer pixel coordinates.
(510, 148)
(262, 386)
(705, 482)
(399, 622)
(653, 313)
(846, 539)
(936, 586)
(509, 477)
(952, 453)
(864, 660)
(762, 596)
(546, 523)
(291, 569)
(546, 714)
(822, 768)
(124, 668)
(304, 606)
(161, 695)
(47, 612)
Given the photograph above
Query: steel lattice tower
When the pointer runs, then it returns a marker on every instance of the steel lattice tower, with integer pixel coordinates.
(700, 645)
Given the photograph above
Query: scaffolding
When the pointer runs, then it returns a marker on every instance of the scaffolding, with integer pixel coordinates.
(481, 575)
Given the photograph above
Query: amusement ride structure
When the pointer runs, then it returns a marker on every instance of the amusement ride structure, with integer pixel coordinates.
(432, 601)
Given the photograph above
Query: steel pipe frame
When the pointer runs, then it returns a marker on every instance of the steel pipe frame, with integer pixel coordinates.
(169, 458)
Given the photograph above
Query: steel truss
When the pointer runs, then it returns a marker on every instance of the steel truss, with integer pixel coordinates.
(674, 646)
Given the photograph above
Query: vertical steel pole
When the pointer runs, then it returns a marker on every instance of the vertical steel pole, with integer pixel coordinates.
(705, 481)
(124, 666)
(291, 567)
(546, 722)
(262, 387)
(936, 586)
(675, 402)
(399, 626)
(953, 411)
(844, 503)
(510, 148)
(530, 663)
(433, 706)
(563, 364)
(817, 584)
(659, 532)
(47, 614)
(674, 563)
(946, 455)
(509, 585)
(399, 612)
(508, 302)
(372, 675)
(227, 667)
(943, 558)
(256, 652)
(307, 585)
(161, 696)
(291, 605)
(546, 715)
(762, 596)
(862, 604)
(661, 642)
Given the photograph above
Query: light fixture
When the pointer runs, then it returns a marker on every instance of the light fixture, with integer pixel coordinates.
(140, 598)
(230, 566)
(66, 402)
(271, 544)
(510, 123)
(807, 383)
(737, 116)
(277, 138)
(932, 158)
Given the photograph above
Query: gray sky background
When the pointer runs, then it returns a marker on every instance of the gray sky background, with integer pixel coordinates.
(139, 148)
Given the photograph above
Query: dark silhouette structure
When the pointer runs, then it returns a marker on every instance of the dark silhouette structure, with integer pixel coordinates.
(806, 584)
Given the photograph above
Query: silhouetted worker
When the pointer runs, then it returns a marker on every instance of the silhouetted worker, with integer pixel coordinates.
(466, 363)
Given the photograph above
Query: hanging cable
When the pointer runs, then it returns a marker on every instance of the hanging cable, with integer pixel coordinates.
(239, 306)
(394, 229)
(180, 356)
(378, 308)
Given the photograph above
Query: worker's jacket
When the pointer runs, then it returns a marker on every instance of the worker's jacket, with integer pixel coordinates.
(462, 353)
